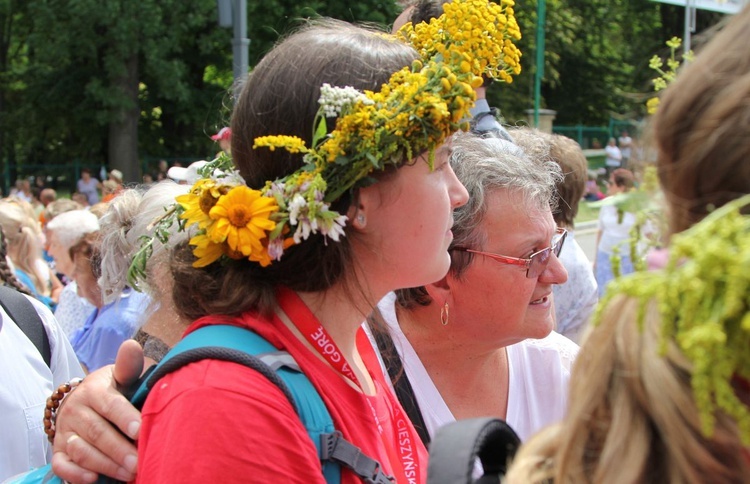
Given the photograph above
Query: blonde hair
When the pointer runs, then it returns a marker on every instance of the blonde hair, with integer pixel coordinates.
(632, 416)
(23, 237)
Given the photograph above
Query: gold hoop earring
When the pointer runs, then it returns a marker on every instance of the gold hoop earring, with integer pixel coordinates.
(445, 314)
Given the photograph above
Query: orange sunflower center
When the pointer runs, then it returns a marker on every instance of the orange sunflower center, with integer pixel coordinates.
(239, 215)
(206, 202)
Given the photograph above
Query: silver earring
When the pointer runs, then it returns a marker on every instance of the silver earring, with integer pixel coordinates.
(361, 219)
(445, 314)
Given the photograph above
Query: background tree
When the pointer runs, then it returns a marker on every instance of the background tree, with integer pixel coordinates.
(120, 82)
(596, 59)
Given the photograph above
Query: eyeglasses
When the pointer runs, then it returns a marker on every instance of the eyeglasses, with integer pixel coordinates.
(536, 263)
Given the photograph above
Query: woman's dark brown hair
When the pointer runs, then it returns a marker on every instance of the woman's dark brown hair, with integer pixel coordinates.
(623, 178)
(281, 98)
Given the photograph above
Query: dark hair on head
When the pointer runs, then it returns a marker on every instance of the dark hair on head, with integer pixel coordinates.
(426, 10)
(622, 177)
(701, 128)
(7, 277)
(280, 97)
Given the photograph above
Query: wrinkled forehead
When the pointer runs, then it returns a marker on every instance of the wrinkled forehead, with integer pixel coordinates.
(511, 214)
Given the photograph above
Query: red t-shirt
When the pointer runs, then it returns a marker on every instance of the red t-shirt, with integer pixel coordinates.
(214, 421)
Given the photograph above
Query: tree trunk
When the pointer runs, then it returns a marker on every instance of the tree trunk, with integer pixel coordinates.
(123, 130)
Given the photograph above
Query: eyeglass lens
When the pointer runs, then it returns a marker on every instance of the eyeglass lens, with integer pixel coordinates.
(540, 260)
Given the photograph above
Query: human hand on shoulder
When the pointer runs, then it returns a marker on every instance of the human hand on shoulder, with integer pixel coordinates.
(87, 441)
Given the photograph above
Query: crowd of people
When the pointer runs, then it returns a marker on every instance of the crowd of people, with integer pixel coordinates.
(442, 281)
(39, 190)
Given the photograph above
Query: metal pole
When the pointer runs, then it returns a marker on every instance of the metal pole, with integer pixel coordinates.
(240, 45)
(689, 24)
(541, 13)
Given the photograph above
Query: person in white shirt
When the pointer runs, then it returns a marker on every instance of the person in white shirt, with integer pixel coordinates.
(613, 156)
(25, 383)
(614, 232)
(479, 342)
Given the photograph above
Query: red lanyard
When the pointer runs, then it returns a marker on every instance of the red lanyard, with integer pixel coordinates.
(406, 452)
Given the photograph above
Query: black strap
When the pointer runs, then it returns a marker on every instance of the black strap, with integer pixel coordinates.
(22, 312)
(401, 383)
(457, 445)
(336, 448)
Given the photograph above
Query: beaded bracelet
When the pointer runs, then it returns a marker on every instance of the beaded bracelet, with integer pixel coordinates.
(53, 405)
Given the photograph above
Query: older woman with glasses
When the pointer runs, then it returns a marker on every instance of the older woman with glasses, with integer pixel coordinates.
(479, 342)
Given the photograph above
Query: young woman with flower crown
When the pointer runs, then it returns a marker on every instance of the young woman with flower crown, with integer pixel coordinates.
(661, 388)
(393, 233)
(304, 239)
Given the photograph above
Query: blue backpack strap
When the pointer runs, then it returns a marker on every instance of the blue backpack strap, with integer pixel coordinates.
(214, 341)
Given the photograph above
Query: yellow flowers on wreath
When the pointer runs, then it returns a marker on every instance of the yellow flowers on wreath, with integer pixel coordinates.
(415, 112)
(234, 220)
(703, 299)
(481, 32)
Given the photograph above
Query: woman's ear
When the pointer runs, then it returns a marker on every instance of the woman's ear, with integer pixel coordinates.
(366, 201)
(440, 291)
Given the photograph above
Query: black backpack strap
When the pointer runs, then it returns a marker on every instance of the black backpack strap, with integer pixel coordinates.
(337, 449)
(22, 312)
(457, 445)
(401, 383)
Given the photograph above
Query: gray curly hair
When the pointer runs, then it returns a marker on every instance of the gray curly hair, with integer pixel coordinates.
(127, 219)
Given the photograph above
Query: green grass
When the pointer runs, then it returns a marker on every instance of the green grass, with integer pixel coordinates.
(586, 213)
(595, 162)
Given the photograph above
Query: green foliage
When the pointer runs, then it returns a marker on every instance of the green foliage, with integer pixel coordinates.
(596, 59)
(268, 19)
(71, 71)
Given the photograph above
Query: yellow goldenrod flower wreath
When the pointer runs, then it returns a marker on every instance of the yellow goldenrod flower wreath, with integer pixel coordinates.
(704, 308)
(419, 107)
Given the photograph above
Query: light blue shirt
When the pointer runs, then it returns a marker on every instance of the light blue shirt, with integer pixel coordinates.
(576, 299)
(97, 342)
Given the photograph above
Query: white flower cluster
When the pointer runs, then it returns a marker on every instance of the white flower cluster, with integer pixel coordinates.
(334, 99)
(309, 217)
(230, 177)
(314, 217)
